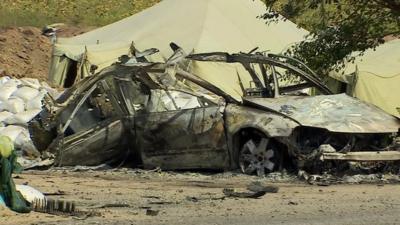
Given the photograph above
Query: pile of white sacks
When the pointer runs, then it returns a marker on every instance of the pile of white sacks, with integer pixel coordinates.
(20, 102)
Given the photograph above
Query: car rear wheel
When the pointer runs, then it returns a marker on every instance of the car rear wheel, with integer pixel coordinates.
(259, 157)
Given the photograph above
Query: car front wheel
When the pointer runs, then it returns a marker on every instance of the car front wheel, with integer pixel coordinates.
(259, 156)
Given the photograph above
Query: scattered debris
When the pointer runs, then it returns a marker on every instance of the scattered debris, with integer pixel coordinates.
(292, 203)
(152, 212)
(228, 192)
(58, 192)
(162, 203)
(256, 191)
(258, 187)
(114, 205)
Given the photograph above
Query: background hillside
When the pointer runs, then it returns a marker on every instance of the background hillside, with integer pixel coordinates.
(75, 12)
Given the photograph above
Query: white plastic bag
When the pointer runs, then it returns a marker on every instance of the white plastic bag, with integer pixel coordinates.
(14, 105)
(26, 93)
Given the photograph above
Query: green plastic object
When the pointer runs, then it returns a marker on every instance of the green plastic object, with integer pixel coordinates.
(8, 165)
(6, 146)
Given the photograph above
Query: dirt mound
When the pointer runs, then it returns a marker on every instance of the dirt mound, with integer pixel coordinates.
(24, 52)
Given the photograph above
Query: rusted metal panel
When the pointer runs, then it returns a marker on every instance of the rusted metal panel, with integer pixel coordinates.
(272, 124)
(362, 156)
(92, 147)
(191, 138)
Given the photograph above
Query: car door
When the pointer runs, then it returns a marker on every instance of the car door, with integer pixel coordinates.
(181, 131)
(92, 129)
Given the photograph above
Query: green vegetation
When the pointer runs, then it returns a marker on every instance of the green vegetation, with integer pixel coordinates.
(77, 12)
(338, 27)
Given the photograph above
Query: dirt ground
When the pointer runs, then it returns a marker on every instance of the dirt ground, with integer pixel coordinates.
(25, 52)
(125, 196)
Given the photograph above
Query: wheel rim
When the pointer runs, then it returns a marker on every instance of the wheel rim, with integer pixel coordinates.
(257, 157)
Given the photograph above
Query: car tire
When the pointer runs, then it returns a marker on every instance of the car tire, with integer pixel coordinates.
(259, 156)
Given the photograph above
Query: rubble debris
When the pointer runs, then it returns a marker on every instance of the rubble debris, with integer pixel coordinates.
(256, 191)
(292, 203)
(257, 187)
(229, 192)
(162, 203)
(114, 205)
(58, 192)
(326, 179)
(197, 199)
(152, 212)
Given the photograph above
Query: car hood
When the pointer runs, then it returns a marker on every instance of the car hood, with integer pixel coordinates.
(336, 113)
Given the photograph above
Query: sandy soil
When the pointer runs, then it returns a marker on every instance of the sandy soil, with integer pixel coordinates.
(192, 198)
(25, 52)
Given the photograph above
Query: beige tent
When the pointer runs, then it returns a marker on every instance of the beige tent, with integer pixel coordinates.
(375, 77)
(196, 25)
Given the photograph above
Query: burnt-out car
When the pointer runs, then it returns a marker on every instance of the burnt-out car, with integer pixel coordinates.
(158, 115)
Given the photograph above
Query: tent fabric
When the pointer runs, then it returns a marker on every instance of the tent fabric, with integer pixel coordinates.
(195, 25)
(374, 77)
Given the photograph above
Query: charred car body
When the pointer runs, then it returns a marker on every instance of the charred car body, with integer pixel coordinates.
(162, 116)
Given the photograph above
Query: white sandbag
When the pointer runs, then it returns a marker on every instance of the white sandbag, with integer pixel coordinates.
(31, 82)
(4, 116)
(14, 105)
(7, 89)
(22, 138)
(25, 143)
(36, 102)
(26, 93)
(12, 132)
(4, 80)
(22, 118)
(29, 193)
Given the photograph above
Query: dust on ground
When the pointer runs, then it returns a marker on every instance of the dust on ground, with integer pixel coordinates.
(127, 196)
(25, 52)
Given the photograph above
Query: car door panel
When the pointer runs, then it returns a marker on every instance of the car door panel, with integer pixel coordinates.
(93, 129)
(182, 139)
(92, 147)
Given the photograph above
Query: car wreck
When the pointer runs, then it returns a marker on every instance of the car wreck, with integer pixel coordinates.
(158, 115)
